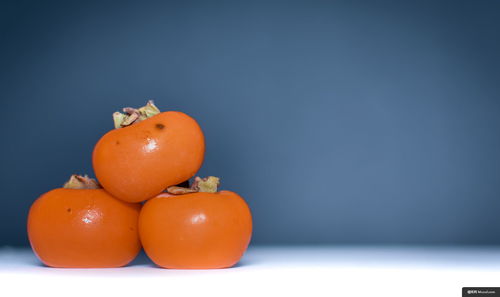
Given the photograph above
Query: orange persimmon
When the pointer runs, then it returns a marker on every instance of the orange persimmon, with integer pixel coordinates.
(82, 226)
(199, 228)
(148, 152)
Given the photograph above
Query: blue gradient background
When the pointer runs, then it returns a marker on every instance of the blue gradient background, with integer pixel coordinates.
(349, 122)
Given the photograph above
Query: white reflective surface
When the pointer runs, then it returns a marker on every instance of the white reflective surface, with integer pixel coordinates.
(198, 219)
(91, 216)
(152, 145)
(270, 271)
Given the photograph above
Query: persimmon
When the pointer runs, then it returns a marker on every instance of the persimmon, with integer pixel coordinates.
(147, 152)
(82, 226)
(195, 228)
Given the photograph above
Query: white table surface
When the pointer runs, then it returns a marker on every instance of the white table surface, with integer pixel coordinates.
(270, 271)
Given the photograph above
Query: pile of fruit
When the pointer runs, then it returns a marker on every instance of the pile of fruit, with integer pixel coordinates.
(143, 198)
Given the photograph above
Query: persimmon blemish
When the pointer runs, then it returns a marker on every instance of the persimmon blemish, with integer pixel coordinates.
(159, 126)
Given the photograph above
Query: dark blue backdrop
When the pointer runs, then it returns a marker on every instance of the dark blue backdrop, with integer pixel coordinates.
(339, 122)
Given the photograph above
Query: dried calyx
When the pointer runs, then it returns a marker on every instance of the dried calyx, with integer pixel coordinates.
(206, 185)
(133, 115)
(81, 182)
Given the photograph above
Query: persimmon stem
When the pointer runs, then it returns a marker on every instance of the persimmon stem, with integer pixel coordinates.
(134, 115)
(81, 182)
(206, 185)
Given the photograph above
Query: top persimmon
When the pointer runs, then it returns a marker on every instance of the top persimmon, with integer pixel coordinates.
(148, 152)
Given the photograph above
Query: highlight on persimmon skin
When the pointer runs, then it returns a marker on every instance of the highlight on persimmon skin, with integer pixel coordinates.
(82, 226)
(195, 229)
(148, 152)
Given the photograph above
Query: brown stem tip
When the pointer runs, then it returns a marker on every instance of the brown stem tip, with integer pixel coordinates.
(180, 190)
(205, 185)
(81, 182)
(134, 115)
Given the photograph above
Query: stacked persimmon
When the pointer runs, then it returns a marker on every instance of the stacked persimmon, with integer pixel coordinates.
(143, 198)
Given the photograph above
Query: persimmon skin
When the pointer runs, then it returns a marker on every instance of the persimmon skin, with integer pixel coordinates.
(88, 228)
(138, 162)
(195, 231)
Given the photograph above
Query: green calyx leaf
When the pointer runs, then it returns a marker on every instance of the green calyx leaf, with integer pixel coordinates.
(80, 182)
(134, 115)
(208, 184)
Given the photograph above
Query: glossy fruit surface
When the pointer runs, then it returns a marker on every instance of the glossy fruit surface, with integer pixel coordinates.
(196, 230)
(138, 162)
(83, 228)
